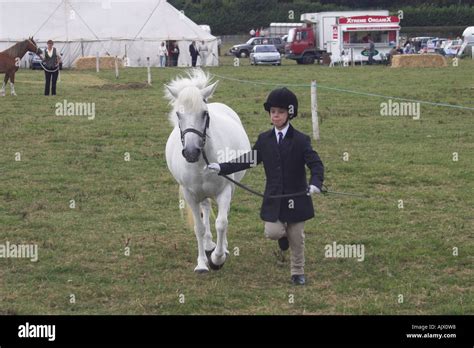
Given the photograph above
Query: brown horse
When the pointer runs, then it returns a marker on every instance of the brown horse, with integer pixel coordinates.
(10, 61)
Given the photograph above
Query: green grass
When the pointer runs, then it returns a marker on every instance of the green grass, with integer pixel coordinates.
(81, 251)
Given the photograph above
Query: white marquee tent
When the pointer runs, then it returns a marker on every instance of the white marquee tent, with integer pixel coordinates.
(123, 28)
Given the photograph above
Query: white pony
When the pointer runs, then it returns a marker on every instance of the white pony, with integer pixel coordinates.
(201, 130)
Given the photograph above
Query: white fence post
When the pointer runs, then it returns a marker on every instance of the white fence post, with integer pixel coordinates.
(97, 60)
(148, 70)
(314, 109)
(116, 68)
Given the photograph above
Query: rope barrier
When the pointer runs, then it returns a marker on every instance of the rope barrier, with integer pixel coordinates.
(345, 91)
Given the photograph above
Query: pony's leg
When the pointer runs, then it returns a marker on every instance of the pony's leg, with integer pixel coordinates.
(219, 255)
(12, 84)
(200, 231)
(209, 245)
(5, 80)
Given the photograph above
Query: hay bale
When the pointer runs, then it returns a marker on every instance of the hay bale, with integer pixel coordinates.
(87, 63)
(418, 61)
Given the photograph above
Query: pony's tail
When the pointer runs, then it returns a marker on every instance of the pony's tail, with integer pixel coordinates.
(185, 210)
(187, 213)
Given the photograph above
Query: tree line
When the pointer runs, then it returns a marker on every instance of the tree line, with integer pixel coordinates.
(228, 17)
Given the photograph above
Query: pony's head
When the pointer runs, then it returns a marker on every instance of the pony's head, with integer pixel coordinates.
(32, 47)
(189, 97)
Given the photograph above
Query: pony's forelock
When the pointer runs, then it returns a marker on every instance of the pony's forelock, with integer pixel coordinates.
(189, 90)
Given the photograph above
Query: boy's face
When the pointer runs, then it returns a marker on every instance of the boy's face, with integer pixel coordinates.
(278, 116)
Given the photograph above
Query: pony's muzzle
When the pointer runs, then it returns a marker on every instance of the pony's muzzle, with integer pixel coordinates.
(192, 156)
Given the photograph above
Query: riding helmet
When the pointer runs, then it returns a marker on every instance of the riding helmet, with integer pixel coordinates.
(282, 98)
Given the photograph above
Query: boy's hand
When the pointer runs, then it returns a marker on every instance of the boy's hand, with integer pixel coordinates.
(312, 190)
(214, 167)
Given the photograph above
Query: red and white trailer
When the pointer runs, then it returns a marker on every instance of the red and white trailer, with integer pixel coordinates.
(343, 34)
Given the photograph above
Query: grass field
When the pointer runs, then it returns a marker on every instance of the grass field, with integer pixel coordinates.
(134, 203)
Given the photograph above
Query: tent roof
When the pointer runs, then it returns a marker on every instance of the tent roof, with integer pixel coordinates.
(73, 20)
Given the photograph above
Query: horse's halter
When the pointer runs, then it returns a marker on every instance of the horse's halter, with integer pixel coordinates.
(202, 134)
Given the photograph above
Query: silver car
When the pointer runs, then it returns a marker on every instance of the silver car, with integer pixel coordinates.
(265, 54)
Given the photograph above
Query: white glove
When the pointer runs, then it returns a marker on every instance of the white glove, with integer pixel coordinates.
(312, 190)
(214, 167)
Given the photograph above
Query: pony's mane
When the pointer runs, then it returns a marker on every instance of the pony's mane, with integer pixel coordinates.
(189, 88)
(15, 50)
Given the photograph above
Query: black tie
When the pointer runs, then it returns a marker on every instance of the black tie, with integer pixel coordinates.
(280, 138)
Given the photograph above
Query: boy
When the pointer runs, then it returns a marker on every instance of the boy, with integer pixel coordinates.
(284, 152)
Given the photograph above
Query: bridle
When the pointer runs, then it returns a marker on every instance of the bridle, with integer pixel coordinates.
(35, 45)
(203, 135)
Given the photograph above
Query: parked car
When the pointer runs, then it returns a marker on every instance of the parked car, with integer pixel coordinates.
(35, 60)
(436, 45)
(421, 42)
(265, 54)
(244, 50)
(452, 47)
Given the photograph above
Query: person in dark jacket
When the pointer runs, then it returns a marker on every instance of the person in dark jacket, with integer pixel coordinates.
(51, 62)
(193, 51)
(174, 54)
(371, 49)
(285, 153)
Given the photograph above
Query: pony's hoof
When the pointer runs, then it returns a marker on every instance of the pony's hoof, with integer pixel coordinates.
(213, 266)
(200, 270)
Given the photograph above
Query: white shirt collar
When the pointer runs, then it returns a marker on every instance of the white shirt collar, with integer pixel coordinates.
(284, 130)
